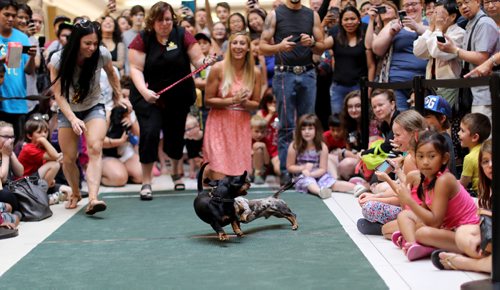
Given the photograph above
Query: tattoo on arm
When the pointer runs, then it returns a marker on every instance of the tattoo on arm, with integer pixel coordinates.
(269, 27)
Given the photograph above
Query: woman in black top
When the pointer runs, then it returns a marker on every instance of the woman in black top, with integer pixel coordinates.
(158, 57)
(352, 60)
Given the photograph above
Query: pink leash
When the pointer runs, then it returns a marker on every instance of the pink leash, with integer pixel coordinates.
(184, 78)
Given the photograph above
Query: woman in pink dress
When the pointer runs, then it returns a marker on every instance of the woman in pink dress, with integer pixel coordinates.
(232, 92)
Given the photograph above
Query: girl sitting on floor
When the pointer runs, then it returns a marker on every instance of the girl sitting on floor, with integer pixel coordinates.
(308, 157)
(446, 204)
(468, 237)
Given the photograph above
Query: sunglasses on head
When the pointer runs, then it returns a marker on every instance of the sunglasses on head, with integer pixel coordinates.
(39, 117)
(87, 23)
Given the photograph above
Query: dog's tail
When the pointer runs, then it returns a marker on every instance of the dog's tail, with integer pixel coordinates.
(286, 186)
(200, 177)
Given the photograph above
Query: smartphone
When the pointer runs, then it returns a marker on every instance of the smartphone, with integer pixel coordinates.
(295, 39)
(381, 9)
(335, 11)
(26, 48)
(189, 4)
(402, 15)
(441, 38)
(41, 41)
(385, 167)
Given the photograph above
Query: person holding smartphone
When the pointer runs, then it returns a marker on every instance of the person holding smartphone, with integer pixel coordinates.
(441, 65)
(397, 39)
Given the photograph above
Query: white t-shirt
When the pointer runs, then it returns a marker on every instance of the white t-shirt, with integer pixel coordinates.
(94, 96)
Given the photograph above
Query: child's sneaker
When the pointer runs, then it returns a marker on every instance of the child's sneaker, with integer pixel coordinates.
(325, 192)
(53, 199)
(258, 179)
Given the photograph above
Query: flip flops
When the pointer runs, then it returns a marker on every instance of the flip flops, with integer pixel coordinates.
(6, 233)
(95, 206)
(146, 192)
(436, 260)
(178, 186)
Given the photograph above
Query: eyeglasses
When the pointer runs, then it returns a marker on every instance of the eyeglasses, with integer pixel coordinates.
(412, 4)
(8, 137)
(167, 20)
(492, 2)
(465, 2)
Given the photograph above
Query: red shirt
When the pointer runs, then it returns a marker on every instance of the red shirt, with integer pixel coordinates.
(31, 157)
(138, 43)
(333, 143)
(271, 138)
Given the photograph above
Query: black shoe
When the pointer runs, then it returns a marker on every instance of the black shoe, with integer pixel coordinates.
(6, 233)
(369, 228)
(146, 192)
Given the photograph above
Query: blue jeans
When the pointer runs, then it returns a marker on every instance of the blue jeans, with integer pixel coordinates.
(295, 96)
(402, 97)
(337, 95)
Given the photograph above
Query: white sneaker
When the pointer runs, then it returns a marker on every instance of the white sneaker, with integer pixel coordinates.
(325, 192)
(359, 189)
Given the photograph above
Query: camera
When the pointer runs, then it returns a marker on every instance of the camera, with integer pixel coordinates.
(402, 15)
(335, 11)
(381, 9)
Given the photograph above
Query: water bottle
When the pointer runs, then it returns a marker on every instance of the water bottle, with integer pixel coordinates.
(133, 139)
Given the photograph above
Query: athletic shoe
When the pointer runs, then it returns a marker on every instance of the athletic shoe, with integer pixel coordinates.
(325, 192)
(359, 189)
(367, 227)
(258, 179)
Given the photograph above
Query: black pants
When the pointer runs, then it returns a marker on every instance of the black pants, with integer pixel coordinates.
(171, 120)
(8, 197)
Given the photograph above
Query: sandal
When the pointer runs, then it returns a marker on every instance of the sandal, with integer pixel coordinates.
(146, 192)
(178, 186)
(95, 206)
(398, 239)
(73, 200)
(418, 251)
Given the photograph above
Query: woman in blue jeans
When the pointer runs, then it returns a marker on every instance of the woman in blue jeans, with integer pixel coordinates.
(352, 59)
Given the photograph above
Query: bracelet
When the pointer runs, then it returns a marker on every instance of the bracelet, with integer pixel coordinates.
(492, 59)
(457, 52)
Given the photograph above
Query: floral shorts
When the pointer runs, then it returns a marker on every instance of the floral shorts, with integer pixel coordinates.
(375, 211)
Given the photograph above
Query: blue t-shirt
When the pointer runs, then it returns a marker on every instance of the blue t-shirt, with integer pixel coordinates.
(404, 64)
(15, 80)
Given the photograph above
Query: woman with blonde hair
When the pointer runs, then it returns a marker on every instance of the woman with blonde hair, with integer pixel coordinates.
(233, 90)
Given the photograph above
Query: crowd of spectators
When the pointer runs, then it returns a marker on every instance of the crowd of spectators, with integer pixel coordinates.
(101, 103)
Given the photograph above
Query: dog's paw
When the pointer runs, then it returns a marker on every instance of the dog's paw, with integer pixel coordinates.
(223, 237)
(295, 227)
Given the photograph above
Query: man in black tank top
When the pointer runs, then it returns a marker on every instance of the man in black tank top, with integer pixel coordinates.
(292, 33)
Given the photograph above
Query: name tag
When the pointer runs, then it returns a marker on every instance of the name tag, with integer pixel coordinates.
(171, 46)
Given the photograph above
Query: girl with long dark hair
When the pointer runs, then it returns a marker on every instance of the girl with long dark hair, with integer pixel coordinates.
(75, 73)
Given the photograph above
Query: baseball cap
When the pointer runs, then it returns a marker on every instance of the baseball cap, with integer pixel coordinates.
(202, 35)
(437, 104)
(61, 18)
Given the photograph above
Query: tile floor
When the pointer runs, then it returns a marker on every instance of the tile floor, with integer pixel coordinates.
(388, 261)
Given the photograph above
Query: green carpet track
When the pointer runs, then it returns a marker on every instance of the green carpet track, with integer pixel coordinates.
(163, 245)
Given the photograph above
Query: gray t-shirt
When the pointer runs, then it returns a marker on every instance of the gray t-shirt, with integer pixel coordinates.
(127, 38)
(485, 39)
(94, 96)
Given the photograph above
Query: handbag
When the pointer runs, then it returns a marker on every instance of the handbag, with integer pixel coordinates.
(465, 97)
(372, 160)
(31, 193)
(485, 227)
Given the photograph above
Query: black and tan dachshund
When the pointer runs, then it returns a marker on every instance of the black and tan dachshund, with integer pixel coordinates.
(215, 206)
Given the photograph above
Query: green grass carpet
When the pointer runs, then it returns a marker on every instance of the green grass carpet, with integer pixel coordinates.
(163, 245)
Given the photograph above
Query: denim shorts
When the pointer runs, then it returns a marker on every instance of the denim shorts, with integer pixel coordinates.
(96, 112)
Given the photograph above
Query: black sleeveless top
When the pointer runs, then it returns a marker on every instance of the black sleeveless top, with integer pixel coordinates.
(164, 65)
(293, 22)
